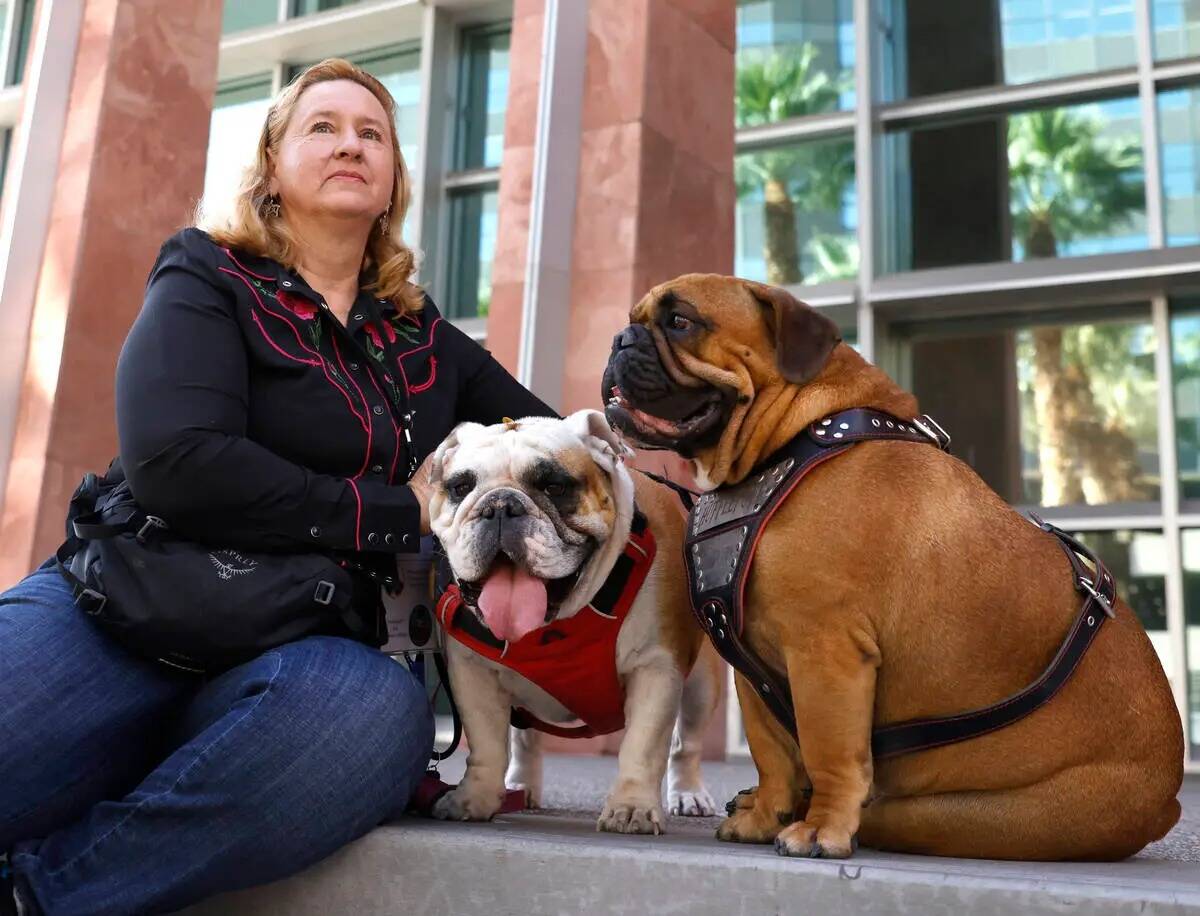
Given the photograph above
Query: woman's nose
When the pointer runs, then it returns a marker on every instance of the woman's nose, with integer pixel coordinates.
(349, 146)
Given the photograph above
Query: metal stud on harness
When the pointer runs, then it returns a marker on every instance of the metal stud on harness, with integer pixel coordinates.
(725, 526)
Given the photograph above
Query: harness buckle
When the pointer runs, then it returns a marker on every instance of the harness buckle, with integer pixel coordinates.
(95, 601)
(934, 430)
(1100, 599)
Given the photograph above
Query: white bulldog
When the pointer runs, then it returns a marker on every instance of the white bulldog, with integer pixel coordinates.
(537, 518)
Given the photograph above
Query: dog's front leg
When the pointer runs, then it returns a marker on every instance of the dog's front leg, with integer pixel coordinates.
(832, 675)
(762, 812)
(485, 708)
(525, 764)
(651, 702)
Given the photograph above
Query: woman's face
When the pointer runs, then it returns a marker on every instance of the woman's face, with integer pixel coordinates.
(335, 158)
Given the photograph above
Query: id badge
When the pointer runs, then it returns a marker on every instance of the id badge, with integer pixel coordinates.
(410, 620)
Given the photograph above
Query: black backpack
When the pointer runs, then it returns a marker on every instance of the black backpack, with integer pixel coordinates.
(192, 606)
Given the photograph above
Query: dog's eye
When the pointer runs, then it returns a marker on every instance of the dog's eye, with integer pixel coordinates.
(554, 490)
(462, 489)
(679, 322)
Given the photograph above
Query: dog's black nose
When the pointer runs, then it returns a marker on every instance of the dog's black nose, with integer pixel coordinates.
(628, 337)
(507, 504)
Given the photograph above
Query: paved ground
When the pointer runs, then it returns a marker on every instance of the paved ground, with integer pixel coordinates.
(553, 862)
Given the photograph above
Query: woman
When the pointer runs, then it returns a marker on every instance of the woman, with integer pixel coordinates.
(257, 407)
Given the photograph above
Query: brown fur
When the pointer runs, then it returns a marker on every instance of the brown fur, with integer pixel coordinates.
(895, 584)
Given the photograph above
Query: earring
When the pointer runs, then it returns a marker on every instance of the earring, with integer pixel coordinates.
(383, 221)
(273, 207)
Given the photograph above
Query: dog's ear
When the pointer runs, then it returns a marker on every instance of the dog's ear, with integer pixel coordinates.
(443, 453)
(804, 337)
(601, 439)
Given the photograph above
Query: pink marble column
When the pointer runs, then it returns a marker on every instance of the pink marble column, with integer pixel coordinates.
(129, 173)
(655, 196)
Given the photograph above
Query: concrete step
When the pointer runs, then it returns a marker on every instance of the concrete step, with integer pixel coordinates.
(554, 862)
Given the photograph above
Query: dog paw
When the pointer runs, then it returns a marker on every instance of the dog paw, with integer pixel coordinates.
(691, 802)
(803, 840)
(533, 794)
(750, 825)
(630, 817)
(746, 798)
(467, 804)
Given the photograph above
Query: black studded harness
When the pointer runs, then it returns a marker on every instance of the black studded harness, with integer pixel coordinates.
(724, 529)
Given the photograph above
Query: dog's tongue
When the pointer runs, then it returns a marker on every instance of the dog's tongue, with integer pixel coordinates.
(512, 601)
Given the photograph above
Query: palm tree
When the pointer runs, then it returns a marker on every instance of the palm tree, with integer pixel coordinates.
(1065, 181)
(812, 175)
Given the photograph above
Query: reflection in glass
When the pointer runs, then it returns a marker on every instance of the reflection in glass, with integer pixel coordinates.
(797, 212)
(484, 99)
(1051, 415)
(248, 14)
(473, 221)
(1051, 182)
(399, 69)
(1176, 28)
(238, 113)
(1179, 133)
(1185, 358)
(304, 7)
(26, 12)
(794, 57)
(1191, 612)
(934, 47)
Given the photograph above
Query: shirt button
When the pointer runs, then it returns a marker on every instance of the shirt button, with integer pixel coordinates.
(377, 410)
(358, 317)
(389, 539)
(325, 305)
(406, 540)
(372, 538)
(377, 469)
(354, 367)
(315, 531)
(286, 283)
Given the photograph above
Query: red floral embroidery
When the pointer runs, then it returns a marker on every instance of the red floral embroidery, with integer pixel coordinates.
(297, 305)
(373, 333)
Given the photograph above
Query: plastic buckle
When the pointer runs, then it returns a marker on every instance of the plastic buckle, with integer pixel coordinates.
(95, 603)
(324, 593)
(150, 524)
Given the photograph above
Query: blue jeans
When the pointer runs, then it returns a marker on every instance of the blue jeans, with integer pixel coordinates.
(128, 787)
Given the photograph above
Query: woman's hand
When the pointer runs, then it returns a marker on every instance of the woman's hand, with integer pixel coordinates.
(422, 486)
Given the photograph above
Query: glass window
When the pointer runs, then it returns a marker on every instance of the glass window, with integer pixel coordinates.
(1138, 562)
(305, 7)
(1053, 182)
(473, 220)
(5, 149)
(794, 58)
(797, 212)
(1191, 610)
(248, 14)
(1179, 133)
(1050, 414)
(239, 110)
(1176, 28)
(1185, 358)
(24, 27)
(483, 98)
(946, 47)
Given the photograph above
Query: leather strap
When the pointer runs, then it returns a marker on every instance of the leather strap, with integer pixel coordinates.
(726, 525)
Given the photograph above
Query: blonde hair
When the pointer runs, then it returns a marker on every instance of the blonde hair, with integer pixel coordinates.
(250, 228)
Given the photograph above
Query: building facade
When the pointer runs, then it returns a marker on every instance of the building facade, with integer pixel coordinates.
(998, 201)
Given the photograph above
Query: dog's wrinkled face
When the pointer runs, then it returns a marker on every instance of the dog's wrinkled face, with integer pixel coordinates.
(699, 346)
(524, 510)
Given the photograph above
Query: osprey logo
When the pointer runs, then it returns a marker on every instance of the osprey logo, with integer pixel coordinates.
(230, 563)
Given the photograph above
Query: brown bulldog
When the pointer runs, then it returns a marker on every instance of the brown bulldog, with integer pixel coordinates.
(893, 584)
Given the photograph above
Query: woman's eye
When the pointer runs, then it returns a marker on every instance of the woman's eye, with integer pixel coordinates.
(679, 322)
(371, 134)
(322, 126)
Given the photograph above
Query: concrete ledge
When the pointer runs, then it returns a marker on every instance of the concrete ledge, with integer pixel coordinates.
(554, 863)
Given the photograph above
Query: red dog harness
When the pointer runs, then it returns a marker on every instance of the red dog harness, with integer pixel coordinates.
(573, 660)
